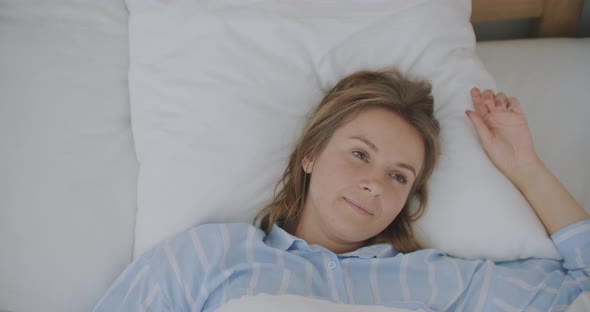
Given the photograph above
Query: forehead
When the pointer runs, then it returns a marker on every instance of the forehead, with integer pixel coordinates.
(391, 134)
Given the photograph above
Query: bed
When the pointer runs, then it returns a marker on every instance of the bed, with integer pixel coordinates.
(74, 198)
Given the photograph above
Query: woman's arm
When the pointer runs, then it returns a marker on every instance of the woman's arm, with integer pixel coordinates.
(135, 290)
(504, 133)
(554, 205)
(174, 275)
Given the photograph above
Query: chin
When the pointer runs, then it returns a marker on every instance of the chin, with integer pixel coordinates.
(347, 235)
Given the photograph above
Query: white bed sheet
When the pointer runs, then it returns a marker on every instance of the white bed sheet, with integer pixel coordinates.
(67, 163)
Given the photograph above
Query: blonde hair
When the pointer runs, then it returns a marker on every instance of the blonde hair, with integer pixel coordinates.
(388, 89)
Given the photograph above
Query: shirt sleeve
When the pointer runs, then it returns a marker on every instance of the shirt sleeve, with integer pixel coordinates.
(176, 275)
(135, 289)
(544, 284)
(573, 243)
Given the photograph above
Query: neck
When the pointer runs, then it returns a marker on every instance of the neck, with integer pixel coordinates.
(315, 235)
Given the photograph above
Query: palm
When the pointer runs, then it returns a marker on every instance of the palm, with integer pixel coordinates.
(503, 131)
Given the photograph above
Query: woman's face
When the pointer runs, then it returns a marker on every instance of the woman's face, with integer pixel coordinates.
(360, 181)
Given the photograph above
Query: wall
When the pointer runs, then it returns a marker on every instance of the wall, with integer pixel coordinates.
(524, 28)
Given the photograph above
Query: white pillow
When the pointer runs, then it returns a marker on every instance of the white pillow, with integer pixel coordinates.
(221, 89)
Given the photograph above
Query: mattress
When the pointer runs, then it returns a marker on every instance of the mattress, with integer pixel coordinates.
(68, 170)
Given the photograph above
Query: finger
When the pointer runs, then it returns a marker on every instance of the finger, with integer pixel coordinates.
(484, 133)
(514, 104)
(501, 101)
(477, 100)
(488, 100)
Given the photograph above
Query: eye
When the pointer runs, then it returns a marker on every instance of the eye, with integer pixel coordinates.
(361, 155)
(400, 178)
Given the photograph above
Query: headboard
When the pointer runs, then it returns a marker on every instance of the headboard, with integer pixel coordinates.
(555, 18)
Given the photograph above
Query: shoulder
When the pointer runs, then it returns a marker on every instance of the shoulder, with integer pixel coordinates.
(203, 236)
(427, 255)
(211, 236)
(223, 231)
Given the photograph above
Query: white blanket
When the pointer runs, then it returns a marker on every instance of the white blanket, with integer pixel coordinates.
(291, 303)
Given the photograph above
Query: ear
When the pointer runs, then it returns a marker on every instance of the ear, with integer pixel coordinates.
(307, 164)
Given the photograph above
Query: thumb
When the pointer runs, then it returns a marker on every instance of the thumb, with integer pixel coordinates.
(484, 133)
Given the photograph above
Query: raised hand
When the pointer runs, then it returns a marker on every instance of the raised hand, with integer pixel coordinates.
(505, 136)
(503, 131)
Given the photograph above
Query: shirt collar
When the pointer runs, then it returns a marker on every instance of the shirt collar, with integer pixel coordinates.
(281, 239)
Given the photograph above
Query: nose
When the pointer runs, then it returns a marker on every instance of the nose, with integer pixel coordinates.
(373, 185)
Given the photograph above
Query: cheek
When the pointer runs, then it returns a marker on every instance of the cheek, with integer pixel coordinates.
(336, 173)
(396, 201)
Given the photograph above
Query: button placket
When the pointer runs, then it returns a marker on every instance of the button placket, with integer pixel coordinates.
(331, 265)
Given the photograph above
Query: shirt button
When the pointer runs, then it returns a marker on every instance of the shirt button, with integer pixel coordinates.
(331, 265)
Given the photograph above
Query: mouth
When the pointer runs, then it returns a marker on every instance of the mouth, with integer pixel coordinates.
(358, 207)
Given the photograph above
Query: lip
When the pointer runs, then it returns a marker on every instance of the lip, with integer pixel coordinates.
(358, 207)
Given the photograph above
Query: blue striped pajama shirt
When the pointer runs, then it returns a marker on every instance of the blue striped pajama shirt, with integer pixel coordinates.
(203, 268)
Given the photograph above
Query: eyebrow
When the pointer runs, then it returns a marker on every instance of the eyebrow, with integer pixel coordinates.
(374, 147)
(366, 141)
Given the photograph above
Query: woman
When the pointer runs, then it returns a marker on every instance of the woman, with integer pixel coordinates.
(339, 228)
